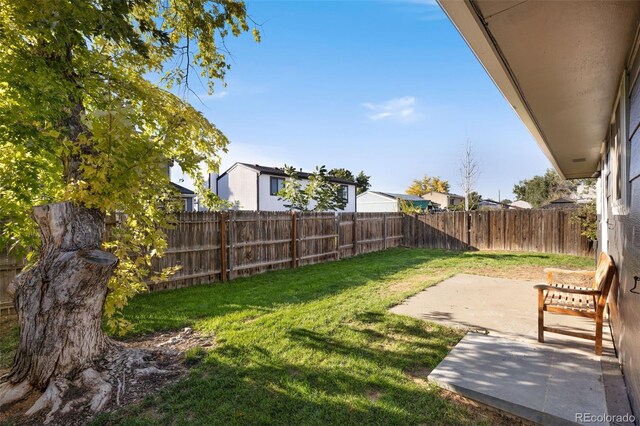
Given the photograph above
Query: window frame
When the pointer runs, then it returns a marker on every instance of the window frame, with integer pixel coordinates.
(345, 188)
(278, 185)
(619, 151)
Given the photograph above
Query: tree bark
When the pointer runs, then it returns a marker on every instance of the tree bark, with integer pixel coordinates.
(59, 301)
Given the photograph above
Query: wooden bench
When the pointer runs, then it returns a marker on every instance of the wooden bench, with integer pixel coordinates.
(589, 302)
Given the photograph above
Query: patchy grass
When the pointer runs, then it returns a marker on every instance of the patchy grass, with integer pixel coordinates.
(8, 343)
(316, 346)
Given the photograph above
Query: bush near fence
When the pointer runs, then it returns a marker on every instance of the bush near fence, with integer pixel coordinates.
(212, 247)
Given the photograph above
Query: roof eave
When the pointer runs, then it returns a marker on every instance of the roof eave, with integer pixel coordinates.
(467, 21)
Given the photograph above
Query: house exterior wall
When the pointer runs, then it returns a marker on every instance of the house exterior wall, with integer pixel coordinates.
(445, 200)
(239, 186)
(370, 202)
(619, 230)
(270, 202)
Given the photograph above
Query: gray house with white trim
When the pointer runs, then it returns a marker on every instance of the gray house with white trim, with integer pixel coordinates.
(255, 187)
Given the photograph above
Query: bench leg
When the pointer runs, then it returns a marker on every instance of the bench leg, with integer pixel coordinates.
(599, 333)
(540, 316)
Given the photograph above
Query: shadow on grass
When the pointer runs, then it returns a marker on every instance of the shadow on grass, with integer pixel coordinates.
(258, 295)
(334, 381)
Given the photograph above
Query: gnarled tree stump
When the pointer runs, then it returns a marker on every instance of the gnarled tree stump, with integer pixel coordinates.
(59, 302)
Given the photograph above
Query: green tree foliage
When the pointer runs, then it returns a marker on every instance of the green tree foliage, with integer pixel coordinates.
(342, 174)
(319, 191)
(407, 207)
(474, 200)
(539, 190)
(362, 182)
(79, 120)
(426, 184)
(587, 217)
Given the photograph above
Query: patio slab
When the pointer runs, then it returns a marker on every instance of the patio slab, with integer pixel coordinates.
(497, 306)
(501, 364)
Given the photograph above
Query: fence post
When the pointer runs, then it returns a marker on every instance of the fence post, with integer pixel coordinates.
(355, 236)
(338, 216)
(232, 221)
(384, 231)
(467, 216)
(294, 241)
(223, 247)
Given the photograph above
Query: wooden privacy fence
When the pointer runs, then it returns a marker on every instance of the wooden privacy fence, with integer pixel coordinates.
(9, 268)
(544, 230)
(212, 247)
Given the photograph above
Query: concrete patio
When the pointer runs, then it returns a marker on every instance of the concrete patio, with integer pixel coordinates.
(501, 364)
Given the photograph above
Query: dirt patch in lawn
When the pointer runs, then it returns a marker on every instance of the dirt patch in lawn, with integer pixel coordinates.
(483, 413)
(532, 273)
(416, 282)
(520, 272)
(155, 361)
(181, 341)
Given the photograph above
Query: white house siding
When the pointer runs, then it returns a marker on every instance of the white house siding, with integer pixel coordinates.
(239, 186)
(445, 200)
(270, 202)
(370, 202)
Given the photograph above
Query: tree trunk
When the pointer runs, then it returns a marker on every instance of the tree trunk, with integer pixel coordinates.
(60, 299)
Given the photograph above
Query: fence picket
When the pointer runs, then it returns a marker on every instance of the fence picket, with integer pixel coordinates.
(212, 247)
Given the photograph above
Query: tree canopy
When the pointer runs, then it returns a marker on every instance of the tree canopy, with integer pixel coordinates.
(361, 180)
(539, 190)
(318, 194)
(427, 184)
(93, 105)
(362, 183)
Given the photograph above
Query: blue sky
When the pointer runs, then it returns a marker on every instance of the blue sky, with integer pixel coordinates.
(388, 87)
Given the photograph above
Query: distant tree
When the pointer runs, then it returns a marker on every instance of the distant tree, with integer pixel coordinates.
(474, 200)
(539, 190)
(427, 184)
(342, 174)
(587, 217)
(319, 190)
(469, 172)
(506, 201)
(408, 207)
(362, 182)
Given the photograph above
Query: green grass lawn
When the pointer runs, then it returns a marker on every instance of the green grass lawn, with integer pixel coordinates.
(314, 346)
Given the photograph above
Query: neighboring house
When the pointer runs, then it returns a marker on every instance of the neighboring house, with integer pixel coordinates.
(376, 201)
(444, 199)
(560, 203)
(187, 195)
(521, 204)
(489, 204)
(571, 72)
(255, 187)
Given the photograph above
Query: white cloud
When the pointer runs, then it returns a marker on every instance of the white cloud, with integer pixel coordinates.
(215, 95)
(396, 109)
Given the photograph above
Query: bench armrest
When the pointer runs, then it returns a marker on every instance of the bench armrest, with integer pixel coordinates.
(570, 272)
(542, 287)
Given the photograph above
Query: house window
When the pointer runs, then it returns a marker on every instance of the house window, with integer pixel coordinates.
(619, 151)
(343, 193)
(276, 185)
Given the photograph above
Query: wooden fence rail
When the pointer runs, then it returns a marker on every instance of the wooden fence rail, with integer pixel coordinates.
(212, 247)
(545, 231)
